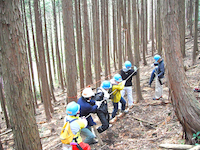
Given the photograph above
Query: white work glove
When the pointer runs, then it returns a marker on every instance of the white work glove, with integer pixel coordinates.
(135, 68)
(123, 82)
(98, 103)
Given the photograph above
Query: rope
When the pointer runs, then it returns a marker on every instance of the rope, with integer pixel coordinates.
(102, 80)
(80, 90)
(125, 80)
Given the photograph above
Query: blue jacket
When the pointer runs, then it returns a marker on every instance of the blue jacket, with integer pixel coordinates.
(159, 70)
(87, 108)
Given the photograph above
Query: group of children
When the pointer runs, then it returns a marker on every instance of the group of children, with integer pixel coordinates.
(91, 102)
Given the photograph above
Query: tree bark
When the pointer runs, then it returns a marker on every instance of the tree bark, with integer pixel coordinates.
(195, 50)
(16, 76)
(70, 53)
(59, 67)
(98, 43)
(159, 31)
(35, 52)
(136, 51)
(186, 107)
(129, 44)
(88, 71)
(191, 17)
(44, 81)
(79, 42)
(30, 58)
(152, 28)
(96, 37)
(143, 33)
(51, 87)
(114, 33)
(181, 22)
(119, 33)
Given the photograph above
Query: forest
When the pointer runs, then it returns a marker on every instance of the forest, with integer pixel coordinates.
(50, 50)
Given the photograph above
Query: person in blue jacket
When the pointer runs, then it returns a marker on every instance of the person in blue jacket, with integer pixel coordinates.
(158, 72)
(88, 106)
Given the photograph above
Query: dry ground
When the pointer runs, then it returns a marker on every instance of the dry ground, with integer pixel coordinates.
(148, 124)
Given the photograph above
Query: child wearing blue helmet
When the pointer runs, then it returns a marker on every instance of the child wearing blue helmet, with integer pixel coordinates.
(158, 72)
(101, 98)
(117, 86)
(76, 124)
(127, 73)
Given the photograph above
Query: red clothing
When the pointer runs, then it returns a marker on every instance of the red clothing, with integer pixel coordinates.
(84, 146)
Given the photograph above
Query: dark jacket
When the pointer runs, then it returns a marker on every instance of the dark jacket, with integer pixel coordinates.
(159, 70)
(126, 74)
(87, 108)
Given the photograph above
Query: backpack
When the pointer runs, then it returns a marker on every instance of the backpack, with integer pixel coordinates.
(66, 135)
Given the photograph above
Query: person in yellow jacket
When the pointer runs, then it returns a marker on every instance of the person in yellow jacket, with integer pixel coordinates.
(117, 86)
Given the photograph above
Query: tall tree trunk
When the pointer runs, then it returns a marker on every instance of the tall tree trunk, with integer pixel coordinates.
(143, 33)
(30, 58)
(52, 51)
(129, 44)
(107, 39)
(155, 20)
(181, 22)
(159, 32)
(125, 29)
(114, 32)
(104, 38)
(79, 42)
(119, 33)
(195, 50)
(186, 107)
(95, 36)
(16, 76)
(35, 51)
(103, 32)
(98, 43)
(146, 26)
(137, 53)
(88, 72)
(70, 53)
(152, 28)
(51, 87)
(191, 17)
(44, 81)
(59, 67)
(60, 22)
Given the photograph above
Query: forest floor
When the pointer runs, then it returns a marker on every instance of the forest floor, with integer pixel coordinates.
(147, 125)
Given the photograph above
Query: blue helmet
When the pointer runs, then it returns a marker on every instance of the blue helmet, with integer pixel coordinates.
(106, 84)
(118, 77)
(128, 64)
(72, 108)
(157, 57)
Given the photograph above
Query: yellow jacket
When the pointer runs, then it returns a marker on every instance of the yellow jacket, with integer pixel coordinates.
(116, 93)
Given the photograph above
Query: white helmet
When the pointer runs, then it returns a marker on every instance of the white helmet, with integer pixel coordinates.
(87, 92)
